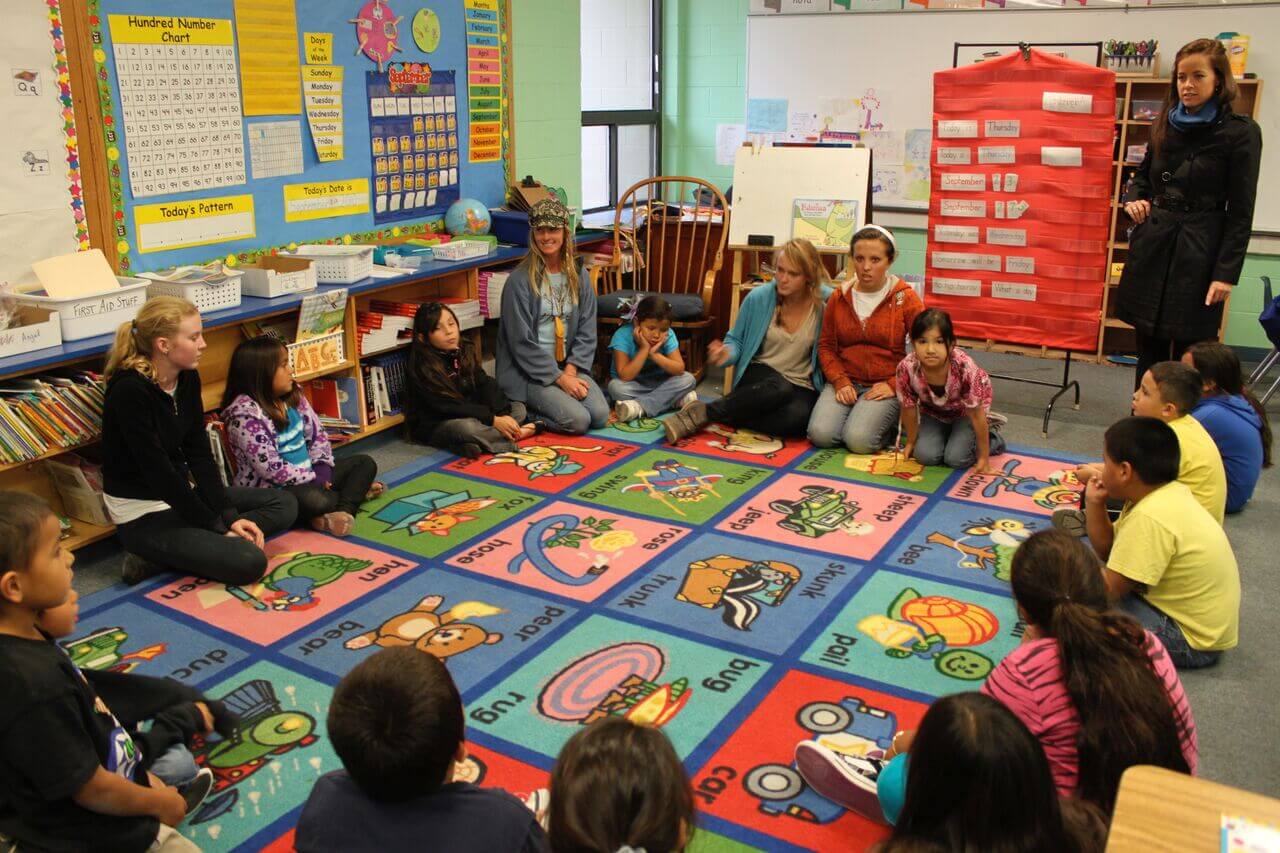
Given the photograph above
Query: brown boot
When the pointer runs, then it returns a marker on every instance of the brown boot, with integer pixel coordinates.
(686, 422)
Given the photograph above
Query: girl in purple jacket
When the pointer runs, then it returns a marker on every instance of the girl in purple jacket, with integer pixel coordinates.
(277, 440)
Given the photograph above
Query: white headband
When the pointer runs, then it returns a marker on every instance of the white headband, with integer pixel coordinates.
(882, 230)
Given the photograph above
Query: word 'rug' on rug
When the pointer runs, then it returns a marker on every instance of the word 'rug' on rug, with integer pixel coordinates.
(743, 592)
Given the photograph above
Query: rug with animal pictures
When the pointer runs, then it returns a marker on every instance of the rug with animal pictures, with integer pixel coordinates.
(742, 592)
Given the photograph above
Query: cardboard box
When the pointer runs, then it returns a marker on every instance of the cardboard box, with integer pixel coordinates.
(79, 499)
(38, 328)
(275, 275)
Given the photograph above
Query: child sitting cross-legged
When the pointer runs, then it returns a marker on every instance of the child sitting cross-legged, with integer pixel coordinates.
(1168, 392)
(396, 722)
(1168, 561)
(619, 786)
(648, 371)
(70, 777)
(278, 442)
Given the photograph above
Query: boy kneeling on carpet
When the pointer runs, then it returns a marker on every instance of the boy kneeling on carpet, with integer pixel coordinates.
(70, 775)
(396, 722)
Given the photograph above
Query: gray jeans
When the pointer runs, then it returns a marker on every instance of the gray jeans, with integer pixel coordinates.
(451, 435)
(863, 427)
(656, 395)
(559, 412)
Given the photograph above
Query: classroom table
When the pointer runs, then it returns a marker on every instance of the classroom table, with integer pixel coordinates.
(1159, 809)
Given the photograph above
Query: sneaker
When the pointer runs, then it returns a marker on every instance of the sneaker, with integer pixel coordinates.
(685, 422)
(197, 789)
(688, 400)
(135, 570)
(845, 780)
(627, 410)
(1070, 519)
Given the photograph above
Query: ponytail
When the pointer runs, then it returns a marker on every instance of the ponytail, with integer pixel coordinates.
(135, 340)
(1126, 714)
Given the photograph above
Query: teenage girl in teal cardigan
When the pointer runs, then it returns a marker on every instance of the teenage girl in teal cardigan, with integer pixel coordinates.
(774, 344)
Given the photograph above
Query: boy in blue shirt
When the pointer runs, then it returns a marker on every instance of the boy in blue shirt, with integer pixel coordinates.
(648, 371)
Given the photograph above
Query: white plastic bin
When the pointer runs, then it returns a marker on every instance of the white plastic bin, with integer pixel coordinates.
(95, 313)
(339, 264)
(206, 297)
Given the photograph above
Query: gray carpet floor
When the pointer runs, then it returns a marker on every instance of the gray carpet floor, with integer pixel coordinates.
(1234, 703)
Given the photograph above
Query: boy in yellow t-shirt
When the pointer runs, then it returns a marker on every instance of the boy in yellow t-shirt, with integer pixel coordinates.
(1168, 562)
(1169, 391)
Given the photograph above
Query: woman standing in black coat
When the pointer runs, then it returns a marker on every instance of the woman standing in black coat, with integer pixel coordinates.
(1192, 204)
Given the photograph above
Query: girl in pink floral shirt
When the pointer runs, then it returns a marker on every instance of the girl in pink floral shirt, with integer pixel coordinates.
(945, 398)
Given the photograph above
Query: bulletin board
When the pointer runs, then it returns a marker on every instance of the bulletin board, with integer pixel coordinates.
(232, 128)
(41, 202)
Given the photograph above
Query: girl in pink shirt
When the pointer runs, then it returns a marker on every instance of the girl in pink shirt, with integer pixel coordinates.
(1098, 691)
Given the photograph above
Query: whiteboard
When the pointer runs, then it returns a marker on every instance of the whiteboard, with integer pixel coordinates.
(768, 180)
(807, 57)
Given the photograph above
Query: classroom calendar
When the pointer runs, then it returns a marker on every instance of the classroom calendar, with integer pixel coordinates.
(413, 134)
(180, 102)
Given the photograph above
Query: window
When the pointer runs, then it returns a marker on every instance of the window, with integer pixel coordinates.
(621, 127)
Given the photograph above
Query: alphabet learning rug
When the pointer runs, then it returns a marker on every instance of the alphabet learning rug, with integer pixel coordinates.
(742, 592)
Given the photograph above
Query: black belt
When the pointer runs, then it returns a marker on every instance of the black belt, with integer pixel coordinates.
(1182, 205)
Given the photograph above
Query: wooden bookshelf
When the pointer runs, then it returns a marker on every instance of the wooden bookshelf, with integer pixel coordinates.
(1116, 336)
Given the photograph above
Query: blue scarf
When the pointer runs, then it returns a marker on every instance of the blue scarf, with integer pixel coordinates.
(1183, 121)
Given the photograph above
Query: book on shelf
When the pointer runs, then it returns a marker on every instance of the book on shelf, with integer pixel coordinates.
(42, 413)
(392, 366)
(321, 314)
(489, 290)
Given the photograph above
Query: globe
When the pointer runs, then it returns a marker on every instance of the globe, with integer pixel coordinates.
(467, 217)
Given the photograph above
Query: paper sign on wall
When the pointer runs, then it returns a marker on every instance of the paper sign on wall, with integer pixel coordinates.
(319, 47)
(322, 92)
(325, 198)
(267, 32)
(180, 224)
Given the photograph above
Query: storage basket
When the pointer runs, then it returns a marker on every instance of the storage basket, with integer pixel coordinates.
(460, 250)
(93, 313)
(206, 297)
(339, 264)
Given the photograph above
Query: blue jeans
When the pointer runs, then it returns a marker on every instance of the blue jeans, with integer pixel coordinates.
(655, 395)
(176, 766)
(558, 412)
(863, 427)
(952, 444)
(1163, 626)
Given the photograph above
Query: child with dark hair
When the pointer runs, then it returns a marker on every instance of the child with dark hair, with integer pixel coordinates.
(1168, 562)
(1098, 691)
(277, 440)
(1168, 392)
(616, 786)
(396, 722)
(1233, 417)
(969, 754)
(945, 398)
(70, 777)
(648, 371)
(450, 402)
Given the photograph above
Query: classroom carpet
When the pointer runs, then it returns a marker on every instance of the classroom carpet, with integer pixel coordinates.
(743, 592)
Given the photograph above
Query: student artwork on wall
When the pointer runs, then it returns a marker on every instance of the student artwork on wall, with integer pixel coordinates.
(1021, 199)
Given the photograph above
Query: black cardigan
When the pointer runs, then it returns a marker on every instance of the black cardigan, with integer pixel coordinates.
(152, 444)
(426, 410)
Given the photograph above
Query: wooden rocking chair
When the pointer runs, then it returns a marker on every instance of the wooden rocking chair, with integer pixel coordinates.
(669, 235)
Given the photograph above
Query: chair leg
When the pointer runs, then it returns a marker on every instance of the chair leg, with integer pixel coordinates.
(1267, 396)
(1264, 366)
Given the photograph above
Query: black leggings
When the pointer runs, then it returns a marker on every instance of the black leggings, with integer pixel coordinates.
(765, 401)
(352, 477)
(166, 539)
(1155, 350)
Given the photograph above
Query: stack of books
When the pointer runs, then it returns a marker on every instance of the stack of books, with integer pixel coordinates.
(47, 412)
(466, 310)
(491, 284)
(337, 404)
(383, 327)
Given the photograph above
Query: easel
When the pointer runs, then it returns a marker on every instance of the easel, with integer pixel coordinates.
(1067, 384)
